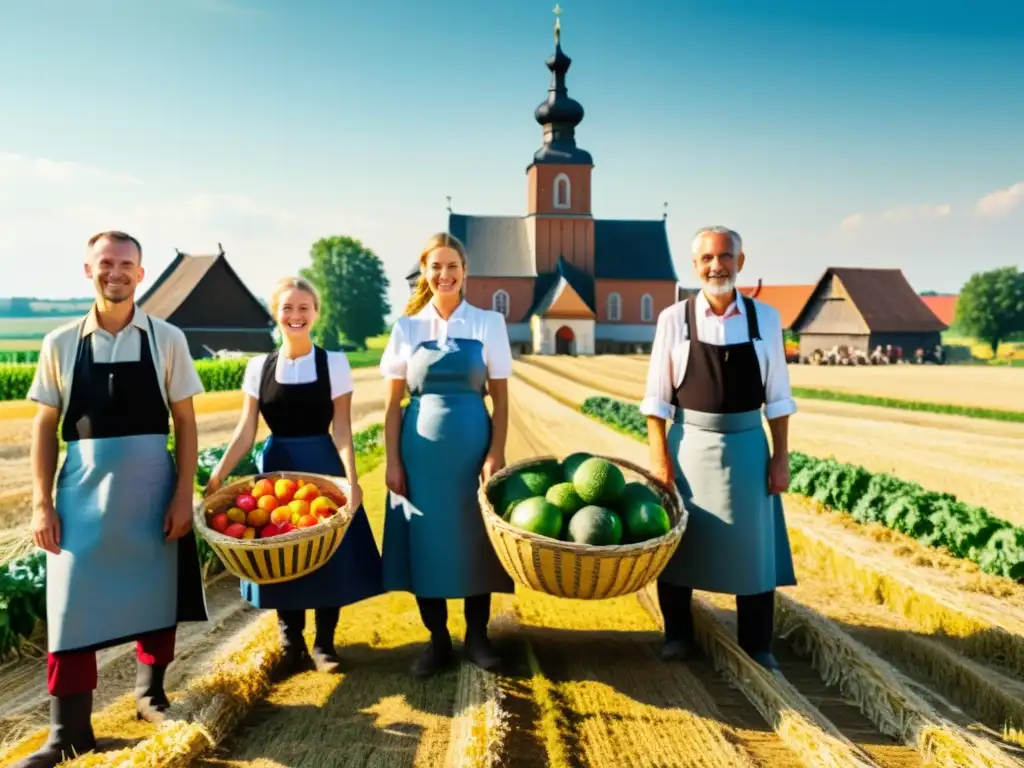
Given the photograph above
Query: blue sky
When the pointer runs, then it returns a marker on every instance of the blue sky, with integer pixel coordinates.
(869, 133)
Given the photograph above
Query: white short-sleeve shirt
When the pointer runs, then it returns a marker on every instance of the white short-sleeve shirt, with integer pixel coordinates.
(301, 370)
(466, 322)
(671, 350)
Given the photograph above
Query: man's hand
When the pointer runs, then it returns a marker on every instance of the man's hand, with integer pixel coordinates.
(212, 486)
(778, 473)
(493, 464)
(178, 519)
(46, 527)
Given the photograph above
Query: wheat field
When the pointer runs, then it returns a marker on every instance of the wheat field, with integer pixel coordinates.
(892, 655)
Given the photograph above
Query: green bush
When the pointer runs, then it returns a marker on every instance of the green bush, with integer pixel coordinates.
(937, 520)
(216, 375)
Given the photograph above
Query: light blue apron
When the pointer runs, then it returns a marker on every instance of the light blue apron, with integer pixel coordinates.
(116, 577)
(435, 544)
(735, 540)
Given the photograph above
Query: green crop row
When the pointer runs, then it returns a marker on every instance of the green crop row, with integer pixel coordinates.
(19, 356)
(23, 581)
(938, 520)
(216, 375)
(908, 405)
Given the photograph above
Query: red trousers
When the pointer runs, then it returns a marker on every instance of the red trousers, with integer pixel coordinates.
(73, 672)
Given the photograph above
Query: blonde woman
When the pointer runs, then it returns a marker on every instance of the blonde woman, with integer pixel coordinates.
(448, 353)
(304, 394)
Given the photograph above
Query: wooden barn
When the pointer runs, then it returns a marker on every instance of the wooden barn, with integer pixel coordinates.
(865, 308)
(207, 299)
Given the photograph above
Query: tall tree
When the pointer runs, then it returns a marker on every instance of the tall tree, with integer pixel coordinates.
(353, 289)
(991, 305)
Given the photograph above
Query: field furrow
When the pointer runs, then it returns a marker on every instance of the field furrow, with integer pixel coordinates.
(981, 469)
(947, 739)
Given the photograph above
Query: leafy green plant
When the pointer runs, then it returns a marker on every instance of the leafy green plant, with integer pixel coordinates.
(937, 520)
(22, 601)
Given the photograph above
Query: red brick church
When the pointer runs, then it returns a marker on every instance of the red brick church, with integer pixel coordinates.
(567, 283)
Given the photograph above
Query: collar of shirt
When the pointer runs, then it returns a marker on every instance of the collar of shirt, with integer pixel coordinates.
(284, 360)
(703, 308)
(92, 323)
(438, 325)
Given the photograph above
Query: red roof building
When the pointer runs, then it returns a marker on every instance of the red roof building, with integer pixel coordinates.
(944, 307)
(788, 300)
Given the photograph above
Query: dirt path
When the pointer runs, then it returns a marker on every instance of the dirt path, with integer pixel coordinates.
(981, 469)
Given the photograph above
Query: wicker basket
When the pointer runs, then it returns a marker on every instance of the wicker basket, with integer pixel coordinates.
(582, 571)
(281, 558)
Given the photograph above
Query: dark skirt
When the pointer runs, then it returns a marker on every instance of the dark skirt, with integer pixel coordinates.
(354, 572)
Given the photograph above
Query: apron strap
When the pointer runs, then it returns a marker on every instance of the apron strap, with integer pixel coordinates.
(690, 320)
(752, 326)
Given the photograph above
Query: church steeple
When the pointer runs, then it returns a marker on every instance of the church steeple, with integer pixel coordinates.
(559, 114)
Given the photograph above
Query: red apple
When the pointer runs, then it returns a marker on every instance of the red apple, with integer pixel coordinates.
(235, 530)
(246, 502)
(269, 530)
(286, 527)
(220, 522)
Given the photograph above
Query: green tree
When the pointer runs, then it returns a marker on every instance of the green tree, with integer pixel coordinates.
(991, 305)
(353, 290)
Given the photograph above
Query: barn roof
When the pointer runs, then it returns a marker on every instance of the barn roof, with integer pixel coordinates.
(501, 246)
(787, 300)
(884, 298)
(180, 279)
(943, 307)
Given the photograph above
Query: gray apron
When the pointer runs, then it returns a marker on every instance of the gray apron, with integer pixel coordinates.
(117, 577)
(736, 541)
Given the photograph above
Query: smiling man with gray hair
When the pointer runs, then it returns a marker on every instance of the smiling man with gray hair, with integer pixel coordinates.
(718, 359)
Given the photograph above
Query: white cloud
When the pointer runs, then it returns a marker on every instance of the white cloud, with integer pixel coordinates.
(903, 215)
(48, 209)
(18, 170)
(1000, 202)
(909, 213)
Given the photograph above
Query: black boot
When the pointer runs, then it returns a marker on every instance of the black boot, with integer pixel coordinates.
(477, 647)
(70, 732)
(150, 698)
(677, 615)
(296, 658)
(438, 653)
(755, 625)
(325, 656)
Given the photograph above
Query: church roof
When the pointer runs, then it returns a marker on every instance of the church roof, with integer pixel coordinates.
(624, 249)
(548, 287)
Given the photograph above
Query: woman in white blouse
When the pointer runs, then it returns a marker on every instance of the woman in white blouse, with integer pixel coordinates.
(304, 394)
(448, 354)
(718, 361)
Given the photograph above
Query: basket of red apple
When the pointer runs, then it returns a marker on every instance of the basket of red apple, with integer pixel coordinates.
(275, 527)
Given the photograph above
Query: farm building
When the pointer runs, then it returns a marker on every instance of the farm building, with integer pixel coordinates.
(787, 300)
(865, 308)
(207, 299)
(567, 283)
(944, 307)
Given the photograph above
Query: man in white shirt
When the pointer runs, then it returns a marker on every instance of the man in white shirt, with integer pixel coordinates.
(718, 359)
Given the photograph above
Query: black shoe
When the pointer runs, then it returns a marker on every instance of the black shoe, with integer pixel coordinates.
(437, 655)
(677, 650)
(325, 655)
(70, 732)
(295, 659)
(766, 660)
(477, 650)
(150, 698)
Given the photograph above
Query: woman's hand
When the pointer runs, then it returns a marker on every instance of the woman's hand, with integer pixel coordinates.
(778, 473)
(355, 496)
(493, 463)
(394, 477)
(212, 486)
